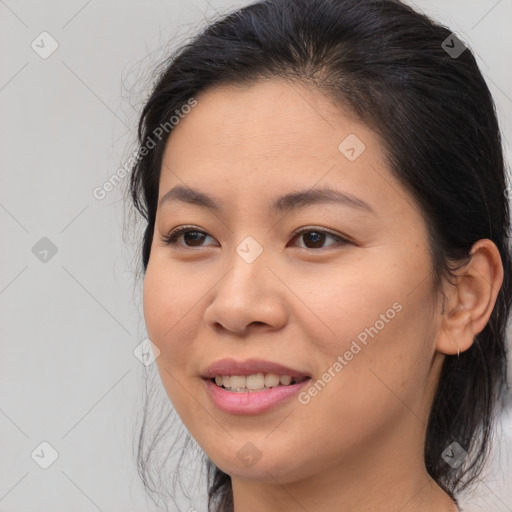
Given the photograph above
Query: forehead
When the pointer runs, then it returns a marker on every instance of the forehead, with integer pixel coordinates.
(267, 119)
(272, 128)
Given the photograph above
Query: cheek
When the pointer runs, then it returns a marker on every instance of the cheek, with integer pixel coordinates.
(168, 296)
(162, 310)
(172, 311)
(356, 301)
(377, 371)
(168, 304)
(373, 335)
(156, 304)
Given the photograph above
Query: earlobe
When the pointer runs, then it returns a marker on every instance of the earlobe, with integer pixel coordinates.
(470, 302)
(457, 333)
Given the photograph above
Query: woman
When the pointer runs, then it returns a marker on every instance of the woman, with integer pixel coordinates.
(326, 259)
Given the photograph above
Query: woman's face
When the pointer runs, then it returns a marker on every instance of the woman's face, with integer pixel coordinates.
(355, 314)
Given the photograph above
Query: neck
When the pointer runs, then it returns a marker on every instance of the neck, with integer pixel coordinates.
(411, 495)
(376, 479)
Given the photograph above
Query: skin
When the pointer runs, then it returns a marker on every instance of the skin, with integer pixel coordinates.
(358, 444)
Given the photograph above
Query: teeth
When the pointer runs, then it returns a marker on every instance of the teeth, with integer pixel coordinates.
(257, 381)
(271, 380)
(237, 382)
(285, 379)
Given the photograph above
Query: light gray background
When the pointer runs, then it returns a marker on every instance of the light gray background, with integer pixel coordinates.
(68, 375)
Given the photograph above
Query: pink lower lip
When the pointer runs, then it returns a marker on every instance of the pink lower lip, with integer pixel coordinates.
(254, 402)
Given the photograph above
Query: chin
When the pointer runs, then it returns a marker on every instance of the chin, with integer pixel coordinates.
(271, 469)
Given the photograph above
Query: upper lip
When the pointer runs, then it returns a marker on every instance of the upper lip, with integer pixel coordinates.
(249, 367)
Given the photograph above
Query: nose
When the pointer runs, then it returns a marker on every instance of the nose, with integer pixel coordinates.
(248, 297)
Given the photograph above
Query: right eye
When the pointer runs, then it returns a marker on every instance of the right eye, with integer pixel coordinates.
(195, 240)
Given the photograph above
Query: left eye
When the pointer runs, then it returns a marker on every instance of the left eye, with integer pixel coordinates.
(194, 237)
(317, 237)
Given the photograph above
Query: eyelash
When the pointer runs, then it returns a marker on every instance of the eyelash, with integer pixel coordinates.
(173, 235)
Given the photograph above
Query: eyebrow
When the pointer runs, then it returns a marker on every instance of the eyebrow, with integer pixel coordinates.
(282, 204)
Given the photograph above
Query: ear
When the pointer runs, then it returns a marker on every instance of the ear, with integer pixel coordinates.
(469, 303)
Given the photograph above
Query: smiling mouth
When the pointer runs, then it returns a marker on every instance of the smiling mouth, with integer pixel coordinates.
(256, 382)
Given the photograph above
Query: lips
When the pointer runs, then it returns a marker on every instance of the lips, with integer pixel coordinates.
(250, 367)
